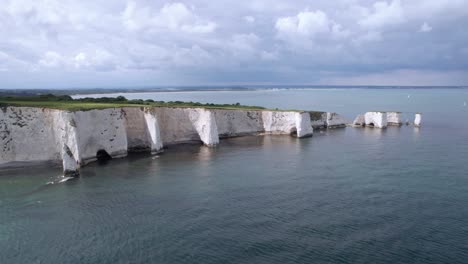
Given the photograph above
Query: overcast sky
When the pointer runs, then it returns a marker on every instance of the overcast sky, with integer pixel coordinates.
(88, 43)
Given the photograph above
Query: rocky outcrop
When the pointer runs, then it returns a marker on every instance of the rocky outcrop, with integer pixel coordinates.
(21, 128)
(417, 119)
(233, 123)
(335, 120)
(67, 137)
(320, 120)
(376, 119)
(359, 121)
(275, 122)
(153, 131)
(180, 125)
(76, 138)
(383, 119)
(71, 167)
(138, 129)
(303, 125)
(100, 130)
(394, 119)
(204, 123)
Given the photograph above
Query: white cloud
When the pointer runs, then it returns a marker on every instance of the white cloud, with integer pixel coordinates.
(243, 47)
(9, 63)
(99, 60)
(193, 56)
(424, 9)
(370, 36)
(52, 59)
(161, 38)
(41, 11)
(311, 31)
(249, 19)
(173, 17)
(268, 56)
(425, 28)
(338, 32)
(306, 23)
(245, 41)
(384, 14)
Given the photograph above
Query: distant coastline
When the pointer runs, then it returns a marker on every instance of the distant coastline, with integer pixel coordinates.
(166, 89)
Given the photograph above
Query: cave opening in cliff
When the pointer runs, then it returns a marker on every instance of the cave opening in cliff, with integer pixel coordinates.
(371, 125)
(293, 132)
(102, 156)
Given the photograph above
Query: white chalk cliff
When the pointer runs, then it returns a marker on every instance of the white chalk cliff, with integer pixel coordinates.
(327, 120)
(359, 120)
(394, 119)
(73, 138)
(376, 119)
(335, 120)
(383, 119)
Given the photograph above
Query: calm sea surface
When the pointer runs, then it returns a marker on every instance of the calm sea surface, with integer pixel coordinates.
(350, 195)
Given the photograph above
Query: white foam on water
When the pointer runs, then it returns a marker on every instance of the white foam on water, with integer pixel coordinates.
(64, 179)
(60, 179)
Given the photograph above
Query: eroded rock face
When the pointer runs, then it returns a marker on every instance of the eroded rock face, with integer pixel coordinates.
(318, 120)
(75, 138)
(137, 129)
(153, 131)
(394, 119)
(21, 128)
(303, 125)
(376, 119)
(359, 121)
(71, 167)
(335, 120)
(204, 122)
(100, 130)
(233, 123)
(65, 125)
(276, 122)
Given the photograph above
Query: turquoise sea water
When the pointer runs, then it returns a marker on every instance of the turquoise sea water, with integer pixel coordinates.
(350, 195)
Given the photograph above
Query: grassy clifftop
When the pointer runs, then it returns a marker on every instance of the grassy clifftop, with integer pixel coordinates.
(66, 102)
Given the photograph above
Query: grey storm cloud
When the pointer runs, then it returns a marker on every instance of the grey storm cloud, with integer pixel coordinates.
(64, 43)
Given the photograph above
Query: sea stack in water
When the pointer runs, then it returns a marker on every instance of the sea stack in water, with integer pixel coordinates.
(417, 119)
(376, 119)
(303, 125)
(359, 121)
(335, 120)
(394, 119)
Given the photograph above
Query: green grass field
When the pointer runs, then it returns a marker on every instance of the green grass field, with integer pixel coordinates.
(65, 102)
(68, 103)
